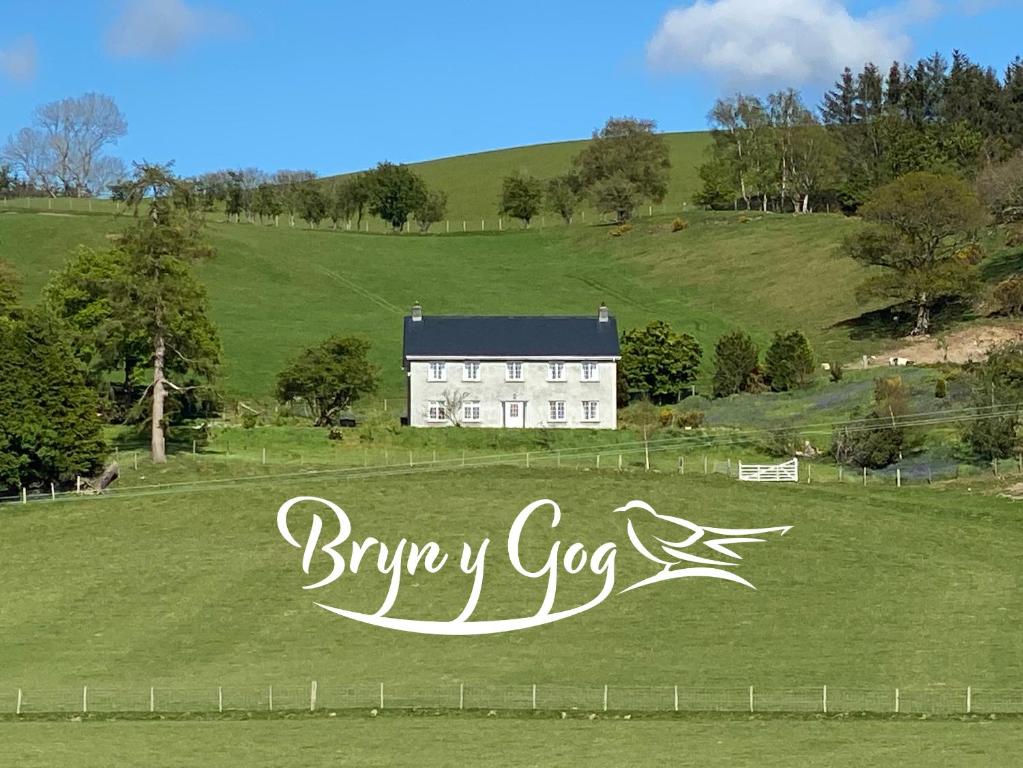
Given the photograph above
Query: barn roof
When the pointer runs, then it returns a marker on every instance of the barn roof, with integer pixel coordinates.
(513, 336)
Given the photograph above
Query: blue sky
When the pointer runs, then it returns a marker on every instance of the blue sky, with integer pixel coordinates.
(337, 86)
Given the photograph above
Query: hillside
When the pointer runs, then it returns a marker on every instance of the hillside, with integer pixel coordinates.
(473, 182)
(275, 290)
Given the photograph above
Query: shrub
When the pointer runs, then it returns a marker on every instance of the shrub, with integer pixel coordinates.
(679, 224)
(735, 364)
(744, 219)
(667, 417)
(941, 388)
(836, 372)
(872, 448)
(250, 420)
(782, 443)
(789, 361)
(621, 229)
(690, 419)
(1009, 295)
(336, 433)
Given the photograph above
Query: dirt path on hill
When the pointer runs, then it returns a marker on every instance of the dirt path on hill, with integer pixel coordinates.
(958, 347)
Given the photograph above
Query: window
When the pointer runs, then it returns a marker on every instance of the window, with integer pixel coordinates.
(438, 372)
(471, 410)
(555, 371)
(470, 370)
(557, 410)
(514, 371)
(590, 372)
(435, 411)
(590, 412)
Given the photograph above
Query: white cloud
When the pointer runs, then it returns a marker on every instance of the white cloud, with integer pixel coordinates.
(781, 42)
(163, 27)
(18, 61)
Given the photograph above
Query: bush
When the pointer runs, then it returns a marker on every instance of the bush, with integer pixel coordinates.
(679, 224)
(872, 448)
(782, 443)
(250, 420)
(789, 361)
(735, 364)
(941, 388)
(336, 433)
(1009, 295)
(621, 229)
(667, 417)
(836, 372)
(690, 419)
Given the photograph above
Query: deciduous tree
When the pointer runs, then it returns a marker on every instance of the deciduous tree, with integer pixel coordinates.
(920, 227)
(521, 197)
(329, 377)
(395, 192)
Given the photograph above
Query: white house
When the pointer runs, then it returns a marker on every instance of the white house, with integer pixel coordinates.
(525, 371)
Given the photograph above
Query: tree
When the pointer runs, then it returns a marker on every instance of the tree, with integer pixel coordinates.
(997, 385)
(64, 147)
(660, 362)
(922, 223)
(158, 294)
(10, 288)
(353, 195)
(431, 209)
(395, 192)
(736, 360)
(266, 202)
(1001, 188)
(562, 195)
(788, 362)
(312, 204)
(875, 439)
(521, 197)
(290, 184)
(626, 162)
(329, 377)
(49, 428)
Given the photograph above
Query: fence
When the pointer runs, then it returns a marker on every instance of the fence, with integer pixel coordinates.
(315, 696)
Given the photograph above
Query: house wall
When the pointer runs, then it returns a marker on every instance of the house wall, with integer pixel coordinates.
(535, 391)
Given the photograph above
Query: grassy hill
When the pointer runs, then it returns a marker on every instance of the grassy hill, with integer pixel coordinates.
(873, 588)
(274, 290)
(473, 182)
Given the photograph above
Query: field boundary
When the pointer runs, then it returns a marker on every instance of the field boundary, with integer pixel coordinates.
(536, 698)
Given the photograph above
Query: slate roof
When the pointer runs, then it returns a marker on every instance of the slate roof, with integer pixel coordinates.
(510, 336)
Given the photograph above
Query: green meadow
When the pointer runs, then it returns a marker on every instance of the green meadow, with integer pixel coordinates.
(275, 290)
(445, 742)
(874, 588)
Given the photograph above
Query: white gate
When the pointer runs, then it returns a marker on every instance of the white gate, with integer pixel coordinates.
(770, 473)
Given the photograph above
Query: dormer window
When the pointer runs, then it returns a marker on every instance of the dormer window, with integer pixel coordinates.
(438, 371)
(555, 371)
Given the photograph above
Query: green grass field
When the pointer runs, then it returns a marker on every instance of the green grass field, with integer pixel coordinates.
(274, 290)
(444, 742)
(874, 587)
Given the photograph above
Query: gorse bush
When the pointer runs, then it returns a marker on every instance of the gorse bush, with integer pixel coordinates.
(679, 224)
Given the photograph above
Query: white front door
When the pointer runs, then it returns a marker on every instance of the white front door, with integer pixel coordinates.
(514, 414)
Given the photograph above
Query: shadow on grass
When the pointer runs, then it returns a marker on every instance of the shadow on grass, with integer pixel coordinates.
(1002, 265)
(898, 320)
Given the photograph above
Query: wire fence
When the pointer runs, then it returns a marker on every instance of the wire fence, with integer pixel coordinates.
(313, 696)
(453, 224)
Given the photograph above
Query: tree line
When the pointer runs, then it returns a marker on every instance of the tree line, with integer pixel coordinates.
(625, 163)
(777, 153)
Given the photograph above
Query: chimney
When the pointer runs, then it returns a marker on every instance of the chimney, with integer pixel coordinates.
(417, 312)
(602, 313)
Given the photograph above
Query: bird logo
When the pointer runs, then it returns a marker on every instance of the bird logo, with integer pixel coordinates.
(672, 542)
